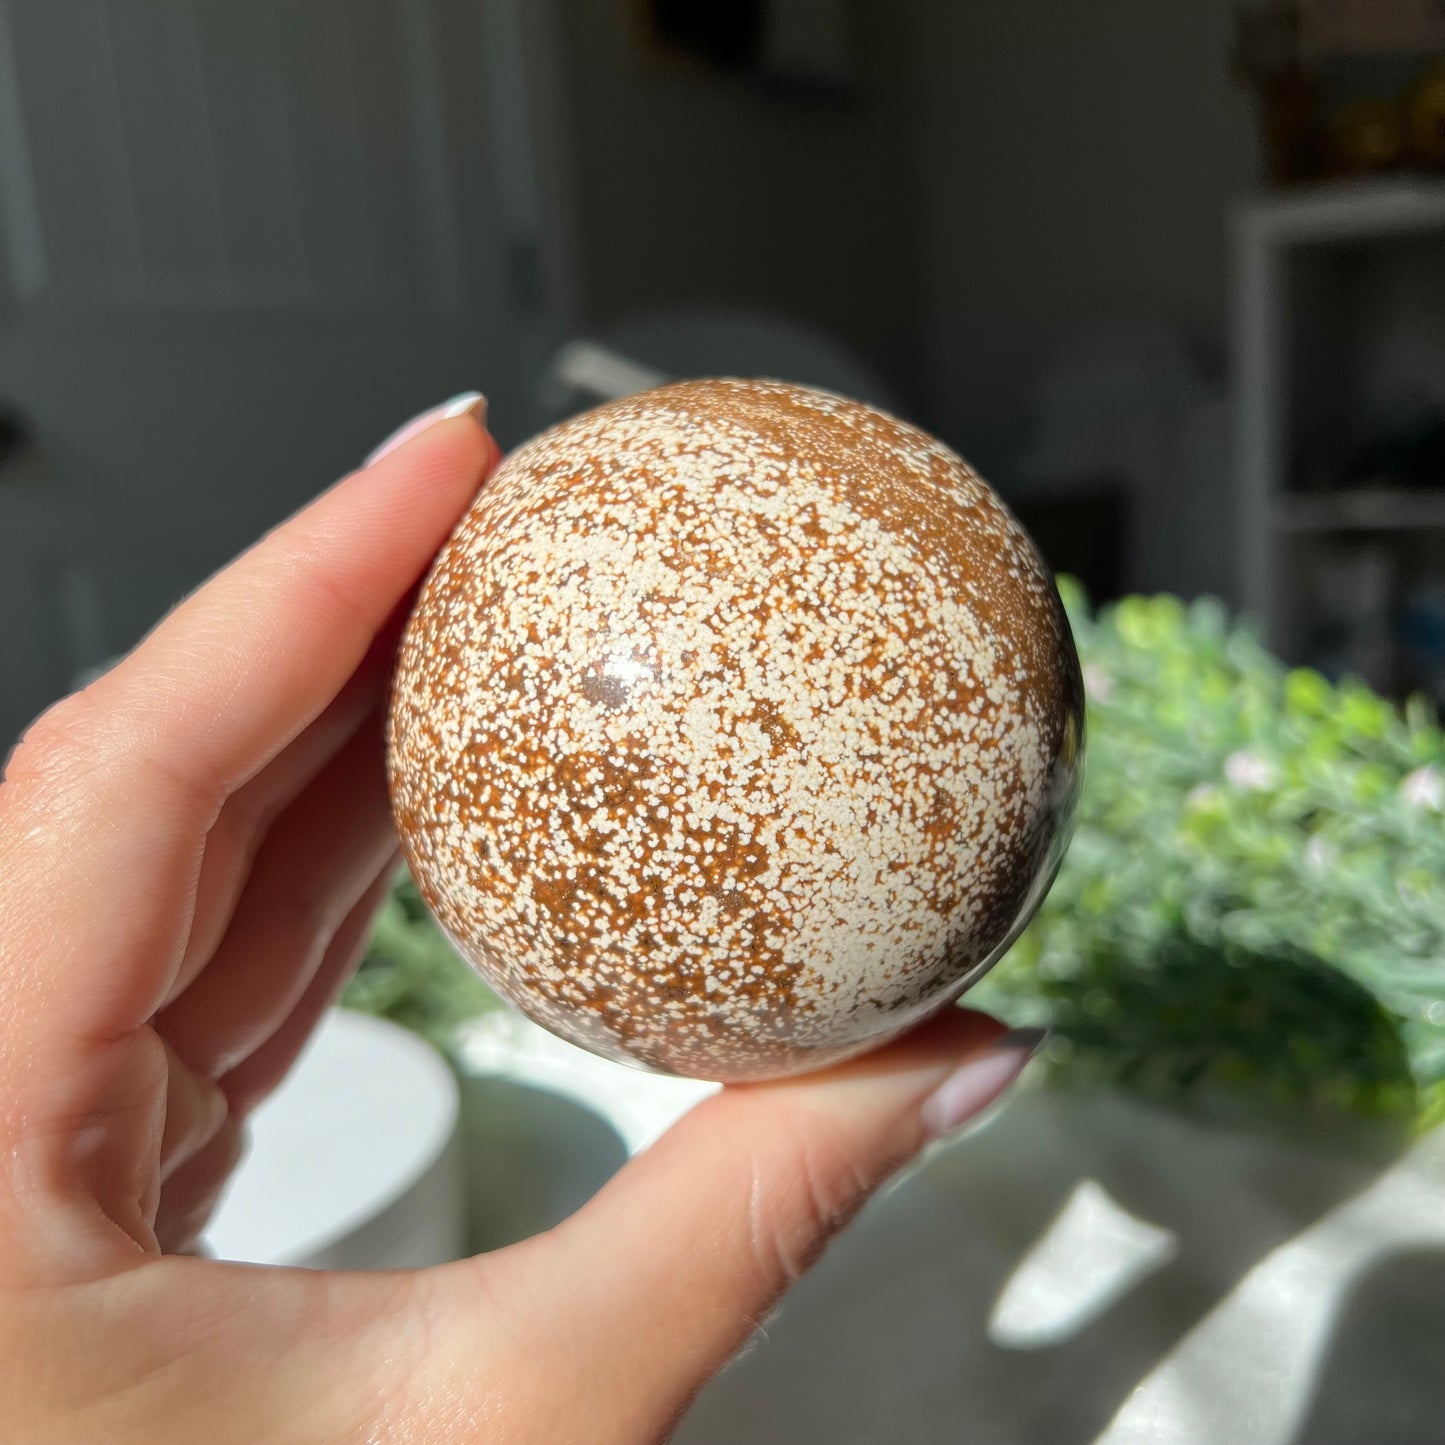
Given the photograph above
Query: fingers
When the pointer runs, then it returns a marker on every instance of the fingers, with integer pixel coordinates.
(190, 1196)
(78, 1172)
(278, 632)
(319, 860)
(679, 1258)
(203, 1133)
(195, 1112)
(247, 816)
(256, 1076)
(123, 782)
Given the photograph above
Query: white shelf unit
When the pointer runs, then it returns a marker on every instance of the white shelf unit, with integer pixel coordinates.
(1293, 260)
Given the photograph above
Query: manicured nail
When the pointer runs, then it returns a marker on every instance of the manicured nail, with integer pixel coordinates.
(469, 403)
(973, 1086)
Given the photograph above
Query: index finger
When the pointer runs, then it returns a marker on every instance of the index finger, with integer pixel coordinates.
(108, 800)
(240, 668)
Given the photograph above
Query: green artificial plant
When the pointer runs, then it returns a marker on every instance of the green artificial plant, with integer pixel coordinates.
(1253, 903)
(1255, 895)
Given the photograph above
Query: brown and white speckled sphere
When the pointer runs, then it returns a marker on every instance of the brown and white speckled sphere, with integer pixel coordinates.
(737, 728)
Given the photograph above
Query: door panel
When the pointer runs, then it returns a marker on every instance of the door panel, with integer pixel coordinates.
(239, 243)
(203, 152)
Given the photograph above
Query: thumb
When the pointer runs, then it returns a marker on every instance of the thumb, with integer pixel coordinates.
(677, 1260)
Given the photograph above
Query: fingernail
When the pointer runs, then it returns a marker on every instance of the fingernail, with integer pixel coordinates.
(973, 1086)
(469, 403)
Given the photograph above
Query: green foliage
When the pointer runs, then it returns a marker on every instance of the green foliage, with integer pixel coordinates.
(1253, 904)
(412, 975)
(1255, 895)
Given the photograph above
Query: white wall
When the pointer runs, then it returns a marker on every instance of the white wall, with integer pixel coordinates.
(167, 446)
(1079, 159)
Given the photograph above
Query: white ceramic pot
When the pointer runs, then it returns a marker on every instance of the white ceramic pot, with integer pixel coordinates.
(355, 1162)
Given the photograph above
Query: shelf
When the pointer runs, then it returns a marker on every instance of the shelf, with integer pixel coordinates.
(1347, 211)
(1369, 510)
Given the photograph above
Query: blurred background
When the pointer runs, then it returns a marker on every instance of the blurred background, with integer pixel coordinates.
(1171, 276)
(240, 242)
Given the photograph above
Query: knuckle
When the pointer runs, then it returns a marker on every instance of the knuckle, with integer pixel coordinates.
(308, 916)
(59, 743)
(83, 740)
(820, 1188)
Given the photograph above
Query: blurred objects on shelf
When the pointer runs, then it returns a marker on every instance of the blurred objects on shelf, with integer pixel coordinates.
(1376, 605)
(1427, 118)
(1368, 137)
(1266, 56)
(1339, 389)
(1410, 455)
(1345, 87)
(1344, 29)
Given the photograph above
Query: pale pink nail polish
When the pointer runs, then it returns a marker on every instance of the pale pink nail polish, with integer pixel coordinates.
(974, 1085)
(469, 403)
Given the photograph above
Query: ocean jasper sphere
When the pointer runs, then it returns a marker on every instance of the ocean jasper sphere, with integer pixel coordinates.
(737, 728)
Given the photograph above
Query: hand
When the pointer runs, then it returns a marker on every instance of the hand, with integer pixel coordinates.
(190, 854)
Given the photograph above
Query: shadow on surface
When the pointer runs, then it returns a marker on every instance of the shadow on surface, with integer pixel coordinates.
(1381, 1381)
(889, 1339)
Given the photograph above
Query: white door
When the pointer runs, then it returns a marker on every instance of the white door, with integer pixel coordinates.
(240, 240)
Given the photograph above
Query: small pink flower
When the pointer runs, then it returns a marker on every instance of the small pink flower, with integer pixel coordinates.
(1250, 772)
(1425, 788)
(1097, 683)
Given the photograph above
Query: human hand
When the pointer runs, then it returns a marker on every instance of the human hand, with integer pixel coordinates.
(191, 851)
